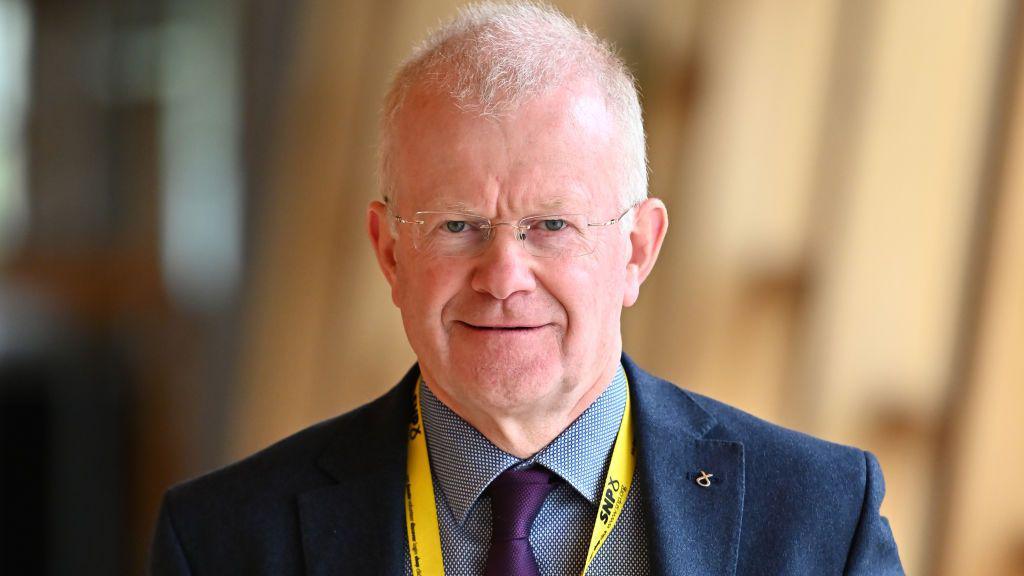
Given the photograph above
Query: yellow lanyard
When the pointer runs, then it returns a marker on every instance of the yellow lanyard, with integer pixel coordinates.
(423, 534)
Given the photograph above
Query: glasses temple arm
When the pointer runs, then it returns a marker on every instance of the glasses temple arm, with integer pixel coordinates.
(613, 220)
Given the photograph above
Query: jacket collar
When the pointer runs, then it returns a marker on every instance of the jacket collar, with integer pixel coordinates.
(359, 523)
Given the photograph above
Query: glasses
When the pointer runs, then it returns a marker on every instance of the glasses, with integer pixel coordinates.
(467, 235)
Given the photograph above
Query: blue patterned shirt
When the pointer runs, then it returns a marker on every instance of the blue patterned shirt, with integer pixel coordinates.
(464, 463)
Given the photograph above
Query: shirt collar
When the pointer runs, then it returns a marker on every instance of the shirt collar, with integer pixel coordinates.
(464, 462)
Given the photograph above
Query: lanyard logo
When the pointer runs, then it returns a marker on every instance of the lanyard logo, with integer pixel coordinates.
(609, 499)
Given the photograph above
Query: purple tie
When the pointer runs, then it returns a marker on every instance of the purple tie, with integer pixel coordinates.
(516, 497)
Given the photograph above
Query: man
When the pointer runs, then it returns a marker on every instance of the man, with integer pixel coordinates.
(515, 227)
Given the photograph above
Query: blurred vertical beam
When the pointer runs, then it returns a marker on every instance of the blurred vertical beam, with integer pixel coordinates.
(739, 195)
(661, 45)
(288, 297)
(887, 271)
(201, 201)
(15, 46)
(316, 344)
(839, 139)
(997, 194)
(268, 36)
(359, 357)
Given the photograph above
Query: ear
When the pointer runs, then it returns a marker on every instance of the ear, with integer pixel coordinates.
(650, 223)
(379, 228)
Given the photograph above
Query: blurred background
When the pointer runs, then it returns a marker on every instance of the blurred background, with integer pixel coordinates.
(184, 275)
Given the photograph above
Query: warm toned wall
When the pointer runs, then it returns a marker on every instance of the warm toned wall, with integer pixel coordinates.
(825, 164)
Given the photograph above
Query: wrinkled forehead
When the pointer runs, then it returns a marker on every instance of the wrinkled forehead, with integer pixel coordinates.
(558, 202)
(555, 152)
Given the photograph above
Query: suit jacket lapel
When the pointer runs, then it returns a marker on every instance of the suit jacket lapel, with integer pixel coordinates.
(692, 529)
(357, 525)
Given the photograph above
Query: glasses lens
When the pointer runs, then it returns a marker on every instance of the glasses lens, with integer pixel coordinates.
(558, 235)
(450, 233)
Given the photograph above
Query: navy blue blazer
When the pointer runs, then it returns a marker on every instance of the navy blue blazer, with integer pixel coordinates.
(329, 500)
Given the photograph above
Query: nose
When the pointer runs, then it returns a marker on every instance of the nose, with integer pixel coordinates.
(504, 267)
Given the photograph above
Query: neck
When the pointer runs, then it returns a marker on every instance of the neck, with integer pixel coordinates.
(524, 436)
(526, 430)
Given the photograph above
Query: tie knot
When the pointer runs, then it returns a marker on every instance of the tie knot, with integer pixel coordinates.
(516, 498)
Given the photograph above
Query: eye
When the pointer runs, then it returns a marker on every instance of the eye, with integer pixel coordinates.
(455, 226)
(553, 225)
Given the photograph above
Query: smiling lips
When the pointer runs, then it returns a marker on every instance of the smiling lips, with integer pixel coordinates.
(501, 327)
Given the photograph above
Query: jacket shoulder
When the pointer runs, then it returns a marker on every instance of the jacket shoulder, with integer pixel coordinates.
(246, 514)
(293, 463)
(797, 484)
(782, 466)
(807, 502)
(712, 419)
(308, 459)
(761, 436)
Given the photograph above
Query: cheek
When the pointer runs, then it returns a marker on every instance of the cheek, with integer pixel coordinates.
(424, 288)
(592, 294)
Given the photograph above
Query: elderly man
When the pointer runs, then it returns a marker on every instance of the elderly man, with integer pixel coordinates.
(514, 227)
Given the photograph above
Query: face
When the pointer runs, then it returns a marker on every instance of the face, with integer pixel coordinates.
(505, 332)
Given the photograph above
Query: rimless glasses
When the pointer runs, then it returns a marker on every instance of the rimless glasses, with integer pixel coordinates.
(461, 234)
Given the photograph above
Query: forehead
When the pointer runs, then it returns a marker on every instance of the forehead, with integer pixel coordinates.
(556, 151)
(554, 203)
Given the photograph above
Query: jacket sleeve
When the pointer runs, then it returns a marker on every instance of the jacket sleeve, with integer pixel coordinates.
(167, 557)
(873, 550)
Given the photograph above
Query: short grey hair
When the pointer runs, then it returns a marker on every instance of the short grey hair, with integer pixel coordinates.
(492, 57)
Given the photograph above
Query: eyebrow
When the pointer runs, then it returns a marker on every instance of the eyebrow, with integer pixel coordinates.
(556, 203)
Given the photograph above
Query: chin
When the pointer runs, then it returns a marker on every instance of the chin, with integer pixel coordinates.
(511, 380)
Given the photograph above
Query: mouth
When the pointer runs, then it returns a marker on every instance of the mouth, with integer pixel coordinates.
(500, 328)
